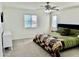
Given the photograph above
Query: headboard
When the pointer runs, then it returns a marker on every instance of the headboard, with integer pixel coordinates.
(71, 26)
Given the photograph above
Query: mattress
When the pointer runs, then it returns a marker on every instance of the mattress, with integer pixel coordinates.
(70, 41)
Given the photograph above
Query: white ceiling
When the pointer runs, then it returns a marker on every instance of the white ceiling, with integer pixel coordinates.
(37, 5)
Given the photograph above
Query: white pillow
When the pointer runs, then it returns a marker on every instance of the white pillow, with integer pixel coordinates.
(77, 35)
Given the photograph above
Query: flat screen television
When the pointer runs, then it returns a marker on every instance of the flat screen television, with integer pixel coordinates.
(30, 21)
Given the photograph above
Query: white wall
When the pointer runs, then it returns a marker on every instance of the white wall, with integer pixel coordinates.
(1, 30)
(1, 52)
(14, 22)
(68, 16)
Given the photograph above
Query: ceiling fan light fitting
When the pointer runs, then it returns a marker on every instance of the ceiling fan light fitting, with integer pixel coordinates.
(48, 11)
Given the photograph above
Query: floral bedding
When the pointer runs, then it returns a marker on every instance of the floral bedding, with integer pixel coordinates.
(49, 43)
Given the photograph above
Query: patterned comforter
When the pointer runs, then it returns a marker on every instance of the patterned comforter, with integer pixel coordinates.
(49, 43)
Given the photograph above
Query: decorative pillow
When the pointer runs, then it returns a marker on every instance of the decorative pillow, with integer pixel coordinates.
(64, 31)
(74, 32)
(68, 32)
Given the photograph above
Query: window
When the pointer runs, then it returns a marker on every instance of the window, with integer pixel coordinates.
(30, 21)
(54, 23)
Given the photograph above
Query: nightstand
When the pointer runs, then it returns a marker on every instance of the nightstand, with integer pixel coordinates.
(7, 40)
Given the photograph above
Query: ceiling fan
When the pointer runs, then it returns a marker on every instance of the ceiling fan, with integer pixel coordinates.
(49, 8)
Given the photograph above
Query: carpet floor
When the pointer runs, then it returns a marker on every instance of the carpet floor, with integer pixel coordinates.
(27, 48)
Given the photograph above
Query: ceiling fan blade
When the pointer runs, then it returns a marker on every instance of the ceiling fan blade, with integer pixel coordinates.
(57, 9)
(54, 7)
(42, 7)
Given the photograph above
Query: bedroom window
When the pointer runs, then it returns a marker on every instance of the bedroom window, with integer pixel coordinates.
(54, 23)
(30, 21)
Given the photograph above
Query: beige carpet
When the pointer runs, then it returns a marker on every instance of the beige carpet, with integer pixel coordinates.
(74, 52)
(27, 48)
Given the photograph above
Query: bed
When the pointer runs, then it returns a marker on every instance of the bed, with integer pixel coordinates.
(55, 42)
(69, 33)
